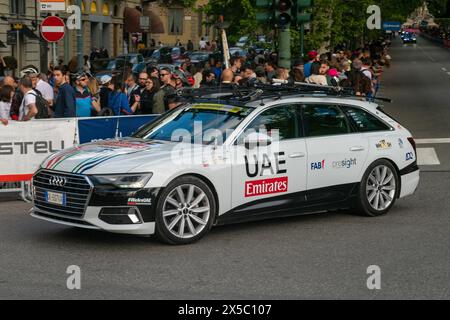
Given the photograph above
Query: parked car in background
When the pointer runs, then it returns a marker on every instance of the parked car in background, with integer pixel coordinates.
(237, 52)
(162, 55)
(242, 42)
(114, 67)
(147, 52)
(199, 57)
(133, 58)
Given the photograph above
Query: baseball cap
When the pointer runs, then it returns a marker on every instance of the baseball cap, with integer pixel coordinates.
(105, 79)
(312, 55)
(333, 73)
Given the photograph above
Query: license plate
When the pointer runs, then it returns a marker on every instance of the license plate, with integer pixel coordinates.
(55, 198)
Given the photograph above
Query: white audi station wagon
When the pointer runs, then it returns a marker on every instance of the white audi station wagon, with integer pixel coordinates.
(229, 158)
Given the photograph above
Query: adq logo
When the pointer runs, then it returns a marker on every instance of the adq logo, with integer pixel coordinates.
(410, 156)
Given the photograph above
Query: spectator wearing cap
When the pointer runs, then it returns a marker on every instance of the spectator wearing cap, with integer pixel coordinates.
(333, 77)
(299, 64)
(104, 91)
(86, 104)
(312, 55)
(65, 105)
(118, 100)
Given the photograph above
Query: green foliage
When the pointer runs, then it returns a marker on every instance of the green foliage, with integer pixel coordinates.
(439, 8)
(240, 13)
(334, 21)
(184, 3)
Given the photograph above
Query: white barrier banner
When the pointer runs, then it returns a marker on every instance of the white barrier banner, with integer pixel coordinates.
(25, 145)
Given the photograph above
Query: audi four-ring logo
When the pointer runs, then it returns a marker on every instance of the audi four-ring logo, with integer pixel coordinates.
(57, 181)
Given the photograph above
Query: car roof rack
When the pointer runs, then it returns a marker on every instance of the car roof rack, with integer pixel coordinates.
(232, 93)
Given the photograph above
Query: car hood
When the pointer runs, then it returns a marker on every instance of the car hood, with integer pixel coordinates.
(110, 156)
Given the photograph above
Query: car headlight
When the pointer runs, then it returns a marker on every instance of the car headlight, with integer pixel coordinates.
(123, 181)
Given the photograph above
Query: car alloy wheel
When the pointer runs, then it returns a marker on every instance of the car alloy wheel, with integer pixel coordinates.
(186, 211)
(378, 189)
(381, 188)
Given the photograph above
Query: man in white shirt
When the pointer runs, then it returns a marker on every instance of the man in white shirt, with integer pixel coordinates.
(28, 108)
(45, 89)
(202, 44)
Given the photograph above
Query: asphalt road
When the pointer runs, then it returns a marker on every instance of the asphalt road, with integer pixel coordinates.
(321, 256)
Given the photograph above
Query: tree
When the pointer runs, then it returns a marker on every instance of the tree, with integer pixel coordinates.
(439, 8)
(240, 13)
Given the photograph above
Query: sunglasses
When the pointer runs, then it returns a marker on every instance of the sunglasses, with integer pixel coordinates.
(164, 74)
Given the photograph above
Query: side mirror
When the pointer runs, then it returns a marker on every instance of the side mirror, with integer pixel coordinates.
(255, 140)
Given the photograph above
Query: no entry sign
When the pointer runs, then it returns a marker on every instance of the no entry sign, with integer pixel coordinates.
(53, 29)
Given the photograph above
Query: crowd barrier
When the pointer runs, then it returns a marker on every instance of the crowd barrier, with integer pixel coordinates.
(25, 145)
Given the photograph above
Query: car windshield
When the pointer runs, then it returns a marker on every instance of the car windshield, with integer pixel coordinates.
(196, 123)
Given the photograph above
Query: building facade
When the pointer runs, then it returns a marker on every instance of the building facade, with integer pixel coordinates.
(110, 24)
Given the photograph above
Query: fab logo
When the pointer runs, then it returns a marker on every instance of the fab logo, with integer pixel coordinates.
(318, 165)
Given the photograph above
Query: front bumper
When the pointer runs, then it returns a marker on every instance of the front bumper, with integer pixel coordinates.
(129, 211)
(91, 220)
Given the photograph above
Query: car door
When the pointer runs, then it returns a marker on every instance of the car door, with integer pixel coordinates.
(270, 176)
(336, 153)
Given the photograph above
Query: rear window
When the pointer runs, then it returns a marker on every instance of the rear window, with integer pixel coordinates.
(363, 121)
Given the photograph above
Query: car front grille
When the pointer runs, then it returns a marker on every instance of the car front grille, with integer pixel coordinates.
(77, 190)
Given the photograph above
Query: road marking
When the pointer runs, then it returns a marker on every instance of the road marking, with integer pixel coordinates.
(432, 141)
(448, 73)
(427, 157)
(426, 54)
(444, 69)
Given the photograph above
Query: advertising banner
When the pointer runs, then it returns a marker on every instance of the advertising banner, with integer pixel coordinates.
(24, 145)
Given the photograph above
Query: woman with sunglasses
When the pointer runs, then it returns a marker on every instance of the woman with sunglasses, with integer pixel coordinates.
(151, 100)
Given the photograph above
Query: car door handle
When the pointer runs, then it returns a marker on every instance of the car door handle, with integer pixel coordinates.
(297, 155)
(357, 148)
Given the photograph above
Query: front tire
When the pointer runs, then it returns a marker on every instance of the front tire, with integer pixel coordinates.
(186, 211)
(379, 189)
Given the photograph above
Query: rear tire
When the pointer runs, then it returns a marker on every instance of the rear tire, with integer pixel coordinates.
(185, 212)
(379, 189)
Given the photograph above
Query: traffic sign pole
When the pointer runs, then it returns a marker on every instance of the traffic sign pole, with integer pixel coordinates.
(53, 31)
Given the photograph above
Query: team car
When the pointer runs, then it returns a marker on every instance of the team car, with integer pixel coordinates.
(409, 37)
(229, 158)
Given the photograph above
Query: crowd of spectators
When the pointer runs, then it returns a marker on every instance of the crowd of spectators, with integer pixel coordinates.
(62, 94)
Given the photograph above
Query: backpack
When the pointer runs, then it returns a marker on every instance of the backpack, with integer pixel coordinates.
(42, 106)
